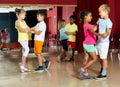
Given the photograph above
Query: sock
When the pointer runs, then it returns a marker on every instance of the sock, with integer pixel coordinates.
(45, 61)
(104, 72)
(22, 67)
(82, 69)
(101, 70)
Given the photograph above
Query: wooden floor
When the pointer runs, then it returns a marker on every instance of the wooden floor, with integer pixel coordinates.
(62, 74)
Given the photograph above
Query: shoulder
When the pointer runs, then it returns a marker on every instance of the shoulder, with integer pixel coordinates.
(42, 23)
(109, 21)
(99, 19)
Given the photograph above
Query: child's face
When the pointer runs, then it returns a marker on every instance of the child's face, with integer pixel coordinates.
(72, 20)
(102, 13)
(63, 24)
(40, 17)
(88, 18)
(22, 15)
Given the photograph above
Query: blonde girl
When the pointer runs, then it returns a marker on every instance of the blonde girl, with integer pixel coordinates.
(23, 37)
(63, 38)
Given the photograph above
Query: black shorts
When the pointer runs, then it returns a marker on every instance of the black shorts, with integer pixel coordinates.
(64, 44)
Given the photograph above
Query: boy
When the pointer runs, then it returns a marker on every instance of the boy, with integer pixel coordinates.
(102, 46)
(39, 31)
(71, 30)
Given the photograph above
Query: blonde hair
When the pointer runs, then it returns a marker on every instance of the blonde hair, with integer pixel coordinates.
(105, 7)
(19, 11)
(60, 24)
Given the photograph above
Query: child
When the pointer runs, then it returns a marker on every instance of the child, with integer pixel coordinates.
(63, 38)
(39, 31)
(89, 42)
(3, 38)
(71, 30)
(8, 37)
(102, 46)
(23, 37)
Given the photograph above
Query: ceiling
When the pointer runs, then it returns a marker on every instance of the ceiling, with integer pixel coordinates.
(6, 9)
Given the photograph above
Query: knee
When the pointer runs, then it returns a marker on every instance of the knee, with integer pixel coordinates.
(27, 49)
(95, 59)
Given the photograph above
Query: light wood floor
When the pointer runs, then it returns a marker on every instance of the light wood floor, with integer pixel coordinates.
(62, 74)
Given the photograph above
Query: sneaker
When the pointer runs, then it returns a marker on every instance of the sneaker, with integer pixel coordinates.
(71, 59)
(23, 68)
(101, 77)
(81, 71)
(47, 64)
(58, 59)
(87, 76)
(39, 69)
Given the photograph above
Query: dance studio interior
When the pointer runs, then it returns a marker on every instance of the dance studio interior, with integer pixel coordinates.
(61, 72)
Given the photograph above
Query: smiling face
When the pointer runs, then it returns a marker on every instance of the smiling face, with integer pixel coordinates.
(88, 17)
(40, 17)
(102, 12)
(22, 15)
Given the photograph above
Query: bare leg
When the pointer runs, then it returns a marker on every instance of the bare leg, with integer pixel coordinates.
(40, 60)
(94, 59)
(86, 56)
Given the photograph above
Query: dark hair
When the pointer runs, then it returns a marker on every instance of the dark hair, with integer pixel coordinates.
(41, 13)
(18, 11)
(84, 13)
(2, 31)
(72, 16)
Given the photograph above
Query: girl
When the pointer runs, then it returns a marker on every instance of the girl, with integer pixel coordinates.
(88, 44)
(3, 38)
(23, 36)
(63, 38)
(7, 38)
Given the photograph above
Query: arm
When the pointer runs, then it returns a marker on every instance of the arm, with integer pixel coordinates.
(36, 32)
(93, 32)
(104, 35)
(69, 33)
(20, 28)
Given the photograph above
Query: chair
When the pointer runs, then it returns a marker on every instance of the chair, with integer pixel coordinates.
(114, 45)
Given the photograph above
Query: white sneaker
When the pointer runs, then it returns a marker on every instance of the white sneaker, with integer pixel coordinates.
(58, 59)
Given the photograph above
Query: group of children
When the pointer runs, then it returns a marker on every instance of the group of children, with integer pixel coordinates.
(68, 32)
(96, 49)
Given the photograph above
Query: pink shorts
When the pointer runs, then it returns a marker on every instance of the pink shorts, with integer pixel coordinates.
(72, 44)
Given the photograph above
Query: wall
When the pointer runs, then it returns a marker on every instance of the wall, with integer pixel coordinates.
(58, 2)
(67, 12)
(52, 20)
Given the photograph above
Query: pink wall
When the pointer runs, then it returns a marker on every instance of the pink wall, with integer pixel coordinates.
(52, 17)
(53, 2)
(52, 20)
(67, 12)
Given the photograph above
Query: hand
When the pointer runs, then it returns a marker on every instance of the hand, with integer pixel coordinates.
(74, 33)
(102, 36)
(95, 27)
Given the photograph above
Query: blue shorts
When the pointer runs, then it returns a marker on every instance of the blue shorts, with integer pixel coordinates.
(64, 44)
